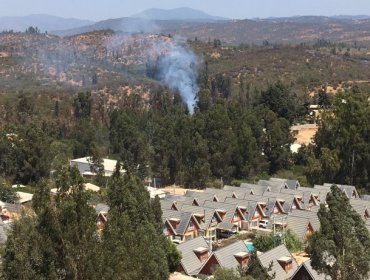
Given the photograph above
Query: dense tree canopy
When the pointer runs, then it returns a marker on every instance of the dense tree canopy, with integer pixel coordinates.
(61, 241)
(341, 247)
(342, 141)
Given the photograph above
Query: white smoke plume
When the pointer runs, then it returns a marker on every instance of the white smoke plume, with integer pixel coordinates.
(177, 68)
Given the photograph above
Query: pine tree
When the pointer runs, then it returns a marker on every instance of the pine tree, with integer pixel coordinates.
(60, 241)
(341, 247)
(133, 246)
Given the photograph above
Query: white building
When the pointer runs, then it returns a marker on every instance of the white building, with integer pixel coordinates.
(84, 166)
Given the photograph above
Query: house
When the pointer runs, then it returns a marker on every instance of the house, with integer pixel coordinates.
(194, 254)
(253, 189)
(300, 226)
(253, 214)
(306, 197)
(288, 202)
(306, 272)
(367, 224)
(280, 261)
(208, 219)
(198, 199)
(362, 207)
(231, 214)
(291, 184)
(101, 210)
(183, 224)
(85, 166)
(231, 256)
(349, 191)
(274, 186)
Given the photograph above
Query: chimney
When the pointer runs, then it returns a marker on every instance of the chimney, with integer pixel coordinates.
(286, 263)
(174, 222)
(201, 253)
(242, 258)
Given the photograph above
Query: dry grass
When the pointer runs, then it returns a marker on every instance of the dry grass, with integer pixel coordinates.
(178, 190)
(300, 257)
(304, 133)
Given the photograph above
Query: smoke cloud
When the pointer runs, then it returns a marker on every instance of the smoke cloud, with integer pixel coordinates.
(177, 68)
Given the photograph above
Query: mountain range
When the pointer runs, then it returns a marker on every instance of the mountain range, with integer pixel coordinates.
(42, 22)
(190, 23)
(184, 14)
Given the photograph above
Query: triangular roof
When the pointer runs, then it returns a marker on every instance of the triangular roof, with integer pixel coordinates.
(273, 256)
(189, 261)
(226, 256)
(310, 271)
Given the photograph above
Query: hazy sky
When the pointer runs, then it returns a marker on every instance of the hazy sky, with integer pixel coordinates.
(103, 9)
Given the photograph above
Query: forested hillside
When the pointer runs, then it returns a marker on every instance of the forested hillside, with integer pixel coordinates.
(100, 94)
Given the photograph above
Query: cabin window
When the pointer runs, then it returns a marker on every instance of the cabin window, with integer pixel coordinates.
(214, 220)
(165, 231)
(191, 225)
(236, 217)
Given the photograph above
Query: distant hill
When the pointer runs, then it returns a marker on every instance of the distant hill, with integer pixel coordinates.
(152, 20)
(130, 25)
(43, 22)
(295, 30)
(280, 30)
(185, 14)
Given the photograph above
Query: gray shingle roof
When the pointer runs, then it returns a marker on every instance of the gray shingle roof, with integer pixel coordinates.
(273, 186)
(360, 206)
(313, 273)
(298, 225)
(166, 204)
(250, 205)
(367, 224)
(189, 261)
(230, 208)
(291, 184)
(184, 218)
(101, 208)
(220, 194)
(174, 197)
(272, 256)
(15, 208)
(311, 215)
(349, 191)
(208, 214)
(286, 200)
(225, 255)
(252, 188)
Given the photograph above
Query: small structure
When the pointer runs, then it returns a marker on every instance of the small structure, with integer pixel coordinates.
(87, 187)
(15, 186)
(102, 211)
(86, 167)
(153, 192)
(24, 197)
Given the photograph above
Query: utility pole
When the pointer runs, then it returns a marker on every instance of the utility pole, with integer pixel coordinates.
(282, 219)
(274, 229)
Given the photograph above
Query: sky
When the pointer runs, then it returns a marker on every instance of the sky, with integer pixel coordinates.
(236, 9)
